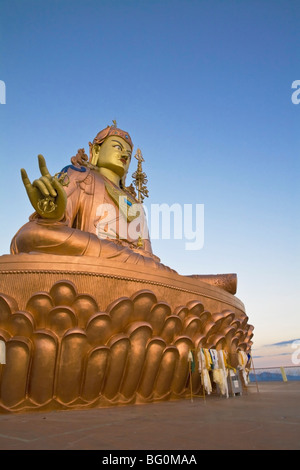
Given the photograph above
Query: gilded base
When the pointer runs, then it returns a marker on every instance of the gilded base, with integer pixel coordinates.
(83, 333)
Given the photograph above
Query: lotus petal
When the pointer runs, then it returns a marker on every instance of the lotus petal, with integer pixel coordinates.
(99, 329)
(43, 367)
(244, 321)
(234, 345)
(216, 341)
(229, 333)
(84, 306)
(119, 348)
(192, 326)
(4, 335)
(182, 312)
(15, 374)
(70, 368)
(166, 372)
(249, 337)
(195, 307)
(143, 302)
(227, 316)
(63, 293)
(171, 329)
(61, 319)
(157, 317)
(236, 323)
(95, 372)
(240, 334)
(22, 324)
(250, 329)
(139, 335)
(209, 328)
(199, 340)
(39, 305)
(154, 353)
(205, 317)
(8, 305)
(121, 313)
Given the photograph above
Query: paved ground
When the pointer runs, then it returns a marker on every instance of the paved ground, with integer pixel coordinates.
(266, 420)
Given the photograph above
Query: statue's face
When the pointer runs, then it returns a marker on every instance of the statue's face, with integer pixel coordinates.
(115, 154)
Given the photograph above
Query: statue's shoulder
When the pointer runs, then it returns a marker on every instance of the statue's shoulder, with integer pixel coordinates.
(76, 178)
(75, 170)
(80, 170)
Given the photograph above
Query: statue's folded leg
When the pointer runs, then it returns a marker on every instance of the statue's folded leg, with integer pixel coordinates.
(59, 239)
(54, 238)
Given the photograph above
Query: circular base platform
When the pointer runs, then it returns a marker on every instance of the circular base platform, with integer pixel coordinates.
(83, 332)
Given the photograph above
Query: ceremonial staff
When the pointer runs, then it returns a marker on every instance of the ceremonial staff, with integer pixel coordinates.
(140, 178)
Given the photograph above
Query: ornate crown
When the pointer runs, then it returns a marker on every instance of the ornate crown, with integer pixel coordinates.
(112, 130)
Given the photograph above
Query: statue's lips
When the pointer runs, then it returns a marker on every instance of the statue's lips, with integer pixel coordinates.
(123, 160)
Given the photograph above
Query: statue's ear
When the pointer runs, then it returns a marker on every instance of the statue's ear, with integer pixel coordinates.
(95, 154)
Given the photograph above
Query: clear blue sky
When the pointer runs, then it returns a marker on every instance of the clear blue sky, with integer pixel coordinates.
(204, 89)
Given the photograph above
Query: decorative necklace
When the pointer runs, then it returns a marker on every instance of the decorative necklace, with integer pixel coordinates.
(123, 200)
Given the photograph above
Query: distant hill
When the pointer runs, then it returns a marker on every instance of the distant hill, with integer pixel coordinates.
(274, 376)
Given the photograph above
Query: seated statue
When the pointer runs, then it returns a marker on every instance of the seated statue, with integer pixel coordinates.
(83, 210)
(67, 206)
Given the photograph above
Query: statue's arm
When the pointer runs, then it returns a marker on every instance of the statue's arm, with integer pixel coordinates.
(46, 194)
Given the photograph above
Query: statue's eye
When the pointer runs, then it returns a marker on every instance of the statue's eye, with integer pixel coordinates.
(118, 147)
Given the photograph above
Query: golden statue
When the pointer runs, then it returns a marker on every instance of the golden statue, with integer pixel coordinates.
(67, 220)
(89, 315)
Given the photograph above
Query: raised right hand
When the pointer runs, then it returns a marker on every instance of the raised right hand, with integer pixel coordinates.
(46, 194)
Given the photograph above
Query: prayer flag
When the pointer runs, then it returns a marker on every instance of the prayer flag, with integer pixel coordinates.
(191, 359)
